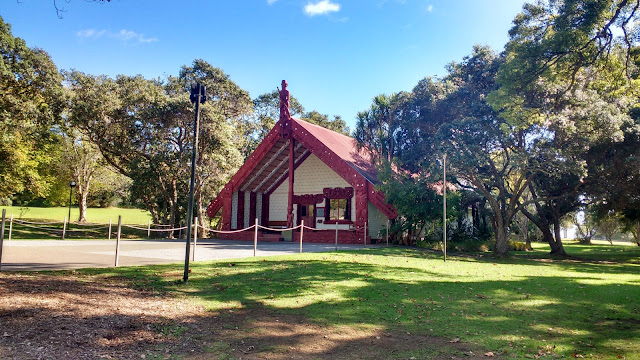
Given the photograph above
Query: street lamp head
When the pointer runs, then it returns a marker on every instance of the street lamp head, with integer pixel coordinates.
(72, 184)
(197, 89)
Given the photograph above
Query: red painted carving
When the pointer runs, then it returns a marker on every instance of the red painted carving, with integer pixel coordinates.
(284, 102)
(252, 207)
(226, 209)
(291, 179)
(338, 193)
(214, 207)
(240, 213)
(265, 209)
(308, 199)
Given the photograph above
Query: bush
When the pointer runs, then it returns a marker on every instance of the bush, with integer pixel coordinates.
(5, 201)
(517, 245)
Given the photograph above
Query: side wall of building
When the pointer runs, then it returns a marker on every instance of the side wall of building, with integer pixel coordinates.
(377, 222)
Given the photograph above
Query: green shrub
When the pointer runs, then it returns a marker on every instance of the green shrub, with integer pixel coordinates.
(517, 245)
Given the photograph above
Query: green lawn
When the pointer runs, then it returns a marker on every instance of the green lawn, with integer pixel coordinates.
(525, 306)
(95, 228)
(94, 215)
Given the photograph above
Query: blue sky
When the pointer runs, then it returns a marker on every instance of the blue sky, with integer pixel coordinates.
(336, 54)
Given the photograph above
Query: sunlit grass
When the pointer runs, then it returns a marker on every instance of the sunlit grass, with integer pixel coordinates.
(94, 215)
(53, 217)
(523, 306)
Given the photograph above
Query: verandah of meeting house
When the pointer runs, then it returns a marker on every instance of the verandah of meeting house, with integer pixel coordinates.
(303, 172)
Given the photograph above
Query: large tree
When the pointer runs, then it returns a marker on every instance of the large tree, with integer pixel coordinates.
(485, 153)
(144, 129)
(31, 100)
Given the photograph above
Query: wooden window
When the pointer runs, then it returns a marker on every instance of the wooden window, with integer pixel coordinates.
(337, 210)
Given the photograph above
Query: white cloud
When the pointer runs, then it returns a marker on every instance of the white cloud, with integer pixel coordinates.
(90, 33)
(321, 8)
(429, 8)
(125, 35)
(271, 2)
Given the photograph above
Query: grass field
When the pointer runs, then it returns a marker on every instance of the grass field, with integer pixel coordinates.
(94, 215)
(525, 306)
(54, 217)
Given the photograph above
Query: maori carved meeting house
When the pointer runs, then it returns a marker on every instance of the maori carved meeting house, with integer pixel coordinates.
(304, 172)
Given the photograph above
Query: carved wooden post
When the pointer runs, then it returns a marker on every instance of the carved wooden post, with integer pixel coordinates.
(226, 208)
(291, 181)
(362, 208)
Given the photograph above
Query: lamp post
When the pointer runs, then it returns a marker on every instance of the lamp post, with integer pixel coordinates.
(72, 184)
(444, 205)
(198, 96)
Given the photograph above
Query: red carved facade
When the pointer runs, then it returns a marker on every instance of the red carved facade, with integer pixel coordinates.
(338, 193)
(308, 199)
(274, 161)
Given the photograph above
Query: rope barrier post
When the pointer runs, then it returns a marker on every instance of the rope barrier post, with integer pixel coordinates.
(195, 238)
(149, 230)
(301, 231)
(10, 226)
(109, 234)
(388, 224)
(4, 214)
(255, 238)
(365, 233)
(64, 227)
(336, 236)
(118, 238)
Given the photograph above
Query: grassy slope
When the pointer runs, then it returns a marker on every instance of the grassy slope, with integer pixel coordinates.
(526, 307)
(94, 215)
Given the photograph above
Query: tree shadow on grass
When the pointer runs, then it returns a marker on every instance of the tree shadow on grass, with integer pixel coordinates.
(528, 313)
(42, 318)
(507, 306)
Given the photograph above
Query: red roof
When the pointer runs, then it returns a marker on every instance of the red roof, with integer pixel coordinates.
(343, 146)
(338, 151)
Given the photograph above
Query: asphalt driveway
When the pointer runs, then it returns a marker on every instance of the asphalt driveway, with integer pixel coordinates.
(30, 255)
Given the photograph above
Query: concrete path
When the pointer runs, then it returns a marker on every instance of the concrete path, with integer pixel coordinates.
(19, 255)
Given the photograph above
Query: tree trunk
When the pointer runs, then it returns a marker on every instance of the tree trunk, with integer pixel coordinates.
(82, 204)
(502, 246)
(556, 244)
(545, 228)
(82, 193)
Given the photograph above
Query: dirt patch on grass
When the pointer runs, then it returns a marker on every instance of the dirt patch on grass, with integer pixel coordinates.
(81, 317)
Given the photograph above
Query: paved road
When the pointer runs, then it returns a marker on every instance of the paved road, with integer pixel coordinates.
(70, 254)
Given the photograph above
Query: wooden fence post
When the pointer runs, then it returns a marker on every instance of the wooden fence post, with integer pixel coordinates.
(301, 231)
(195, 238)
(388, 224)
(4, 214)
(10, 226)
(255, 238)
(149, 230)
(64, 227)
(118, 238)
(109, 234)
(365, 233)
(336, 236)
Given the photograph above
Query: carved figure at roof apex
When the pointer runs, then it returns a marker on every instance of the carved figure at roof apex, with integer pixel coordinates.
(284, 102)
